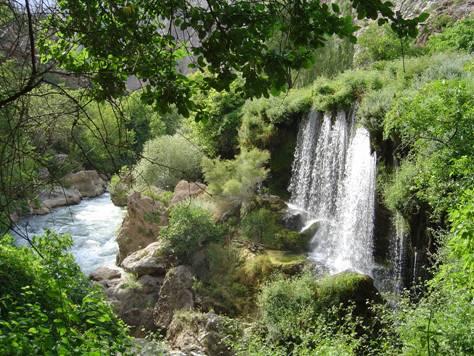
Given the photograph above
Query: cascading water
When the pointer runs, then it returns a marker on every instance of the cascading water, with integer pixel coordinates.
(333, 182)
(92, 224)
(399, 253)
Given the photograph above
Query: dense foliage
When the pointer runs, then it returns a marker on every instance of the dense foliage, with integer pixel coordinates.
(47, 306)
(166, 160)
(189, 228)
(234, 182)
(417, 104)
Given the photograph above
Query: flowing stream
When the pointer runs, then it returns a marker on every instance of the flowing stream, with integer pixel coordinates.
(333, 183)
(92, 223)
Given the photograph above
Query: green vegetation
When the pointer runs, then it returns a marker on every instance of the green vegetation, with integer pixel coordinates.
(458, 36)
(47, 306)
(234, 182)
(381, 43)
(259, 68)
(166, 160)
(262, 226)
(189, 228)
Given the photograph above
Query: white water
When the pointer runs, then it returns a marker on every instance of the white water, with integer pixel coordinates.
(93, 224)
(399, 252)
(333, 181)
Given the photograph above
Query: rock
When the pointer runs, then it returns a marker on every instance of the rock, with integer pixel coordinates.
(105, 273)
(88, 183)
(133, 300)
(141, 225)
(198, 333)
(53, 198)
(175, 294)
(185, 190)
(151, 260)
(347, 288)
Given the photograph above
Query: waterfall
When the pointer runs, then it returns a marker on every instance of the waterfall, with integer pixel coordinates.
(333, 181)
(398, 255)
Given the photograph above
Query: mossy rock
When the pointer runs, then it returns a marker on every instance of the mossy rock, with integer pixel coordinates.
(259, 268)
(347, 288)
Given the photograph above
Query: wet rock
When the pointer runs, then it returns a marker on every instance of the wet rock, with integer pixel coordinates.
(53, 198)
(141, 225)
(185, 190)
(105, 273)
(175, 294)
(151, 260)
(88, 183)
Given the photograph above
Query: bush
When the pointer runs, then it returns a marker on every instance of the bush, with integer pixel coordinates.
(294, 322)
(459, 36)
(381, 43)
(346, 89)
(435, 123)
(234, 182)
(48, 306)
(189, 228)
(217, 120)
(166, 160)
(221, 287)
(263, 226)
(260, 117)
(120, 185)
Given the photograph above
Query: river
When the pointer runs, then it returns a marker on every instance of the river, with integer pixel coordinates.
(93, 224)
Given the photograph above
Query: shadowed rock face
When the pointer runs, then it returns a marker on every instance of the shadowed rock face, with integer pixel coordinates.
(141, 225)
(132, 298)
(175, 294)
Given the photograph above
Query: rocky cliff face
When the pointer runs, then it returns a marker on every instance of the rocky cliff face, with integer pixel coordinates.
(141, 225)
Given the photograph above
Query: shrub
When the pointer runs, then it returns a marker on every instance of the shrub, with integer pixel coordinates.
(459, 36)
(48, 306)
(234, 182)
(262, 116)
(221, 285)
(381, 43)
(217, 120)
(263, 226)
(345, 90)
(120, 185)
(189, 228)
(285, 303)
(435, 122)
(166, 160)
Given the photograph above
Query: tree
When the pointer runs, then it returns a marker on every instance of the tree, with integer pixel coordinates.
(112, 40)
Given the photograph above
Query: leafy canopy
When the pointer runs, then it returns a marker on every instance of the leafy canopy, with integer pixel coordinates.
(110, 41)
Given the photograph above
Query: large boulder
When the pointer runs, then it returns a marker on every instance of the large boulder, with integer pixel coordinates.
(185, 190)
(151, 260)
(348, 288)
(198, 333)
(104, 273)
(175, 294)
(141, 225)
(132, 298)
(88, 183)
(53, 198)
